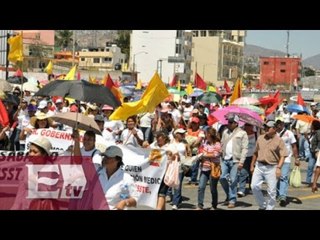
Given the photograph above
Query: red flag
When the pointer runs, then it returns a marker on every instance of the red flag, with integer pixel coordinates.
(4, 118)
(300, 100)
(174, 81)
(277, 95)
(109, 83)
(199, 83)
(18, 73)
(78, 76)
(226, 86)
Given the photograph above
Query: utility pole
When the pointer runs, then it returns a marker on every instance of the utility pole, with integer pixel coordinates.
(287, 45)
(7, 60)
(73, 45)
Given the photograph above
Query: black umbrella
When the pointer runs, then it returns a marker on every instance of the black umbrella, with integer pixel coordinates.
(80, 90)
(16, 80)
(10, 98)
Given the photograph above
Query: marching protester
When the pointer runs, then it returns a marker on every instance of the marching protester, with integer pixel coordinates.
(117, 185)
(266, 165)
(210, 158)
(132, 135)
(234, 148)
(39, 153)
(291, 145)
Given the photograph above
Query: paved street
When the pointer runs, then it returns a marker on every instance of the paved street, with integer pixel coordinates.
(298, 198)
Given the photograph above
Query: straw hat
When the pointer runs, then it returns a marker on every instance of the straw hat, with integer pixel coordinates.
(40, 116)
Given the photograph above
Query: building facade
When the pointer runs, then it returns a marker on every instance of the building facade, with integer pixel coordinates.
(3, 46)
(275, 71)
(167, 52)
(105, 58)
(38, 48)
(217, 55)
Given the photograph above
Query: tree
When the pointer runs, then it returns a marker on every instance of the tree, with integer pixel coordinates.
(123, 42)
(308, 72)
(63, 38)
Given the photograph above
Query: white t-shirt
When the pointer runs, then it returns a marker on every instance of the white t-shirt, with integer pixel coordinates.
(289, 139)
(118, 187)
(96, 159)
(127, 137)
(114, 126)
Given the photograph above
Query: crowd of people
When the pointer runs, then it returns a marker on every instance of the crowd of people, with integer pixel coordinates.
(248, 155)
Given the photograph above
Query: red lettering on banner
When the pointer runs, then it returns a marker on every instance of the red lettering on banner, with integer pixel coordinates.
(143, 189)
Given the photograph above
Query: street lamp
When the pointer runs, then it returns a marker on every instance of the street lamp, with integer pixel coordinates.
(159, 68)
(134, 60)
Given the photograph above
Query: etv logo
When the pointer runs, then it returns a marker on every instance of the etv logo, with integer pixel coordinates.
(56, 181)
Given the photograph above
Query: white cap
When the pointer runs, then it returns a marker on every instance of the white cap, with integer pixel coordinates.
(43, 104)
(313, 104)
(180, 130)
(59, 100)
(43, 143)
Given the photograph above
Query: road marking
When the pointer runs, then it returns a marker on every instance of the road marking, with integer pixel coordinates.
(314, 196)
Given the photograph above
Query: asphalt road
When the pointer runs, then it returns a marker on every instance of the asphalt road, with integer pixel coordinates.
(298, 198)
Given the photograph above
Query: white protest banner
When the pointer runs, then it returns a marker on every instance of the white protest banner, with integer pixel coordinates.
(147, 167)
(62, 140)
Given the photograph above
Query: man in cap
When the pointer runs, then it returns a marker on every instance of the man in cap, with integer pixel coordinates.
(291, 145)
(266, 165)
(234, 151)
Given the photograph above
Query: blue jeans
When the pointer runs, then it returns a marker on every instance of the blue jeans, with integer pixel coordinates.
(283, 182)
(311, 163)
(301, 146)
(204, 177)
(194, 172)
(244, 174)
(229, 169)
(177, 193)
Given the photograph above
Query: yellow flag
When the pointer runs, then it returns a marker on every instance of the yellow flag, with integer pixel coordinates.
(71, 73)
(139, 85)
(212, 89)
(155, 93)
(92, 80)
(189, 89)
(179, 86)
(16, 48)
(236, 91)
(49, 68)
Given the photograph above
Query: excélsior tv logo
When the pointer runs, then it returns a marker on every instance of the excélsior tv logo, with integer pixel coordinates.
(56, 181)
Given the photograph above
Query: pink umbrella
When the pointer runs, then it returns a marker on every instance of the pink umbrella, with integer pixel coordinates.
(245, 115)
(246, 101)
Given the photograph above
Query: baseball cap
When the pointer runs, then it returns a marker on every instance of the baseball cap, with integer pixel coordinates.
(43, 143)
(180, 130)
(112, 151)
(99, 118)
(195, 120)
(270, 124)
(43, 104)
(233, 118)
(107, 107)
(313, 104)
(59, 100)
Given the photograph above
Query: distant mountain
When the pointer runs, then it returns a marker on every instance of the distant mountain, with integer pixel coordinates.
(254, 51)
(313, 62)
(95, 38)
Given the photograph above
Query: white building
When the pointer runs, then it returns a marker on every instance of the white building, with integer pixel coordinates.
(166, 51)
(105, 58)
(218, 54)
